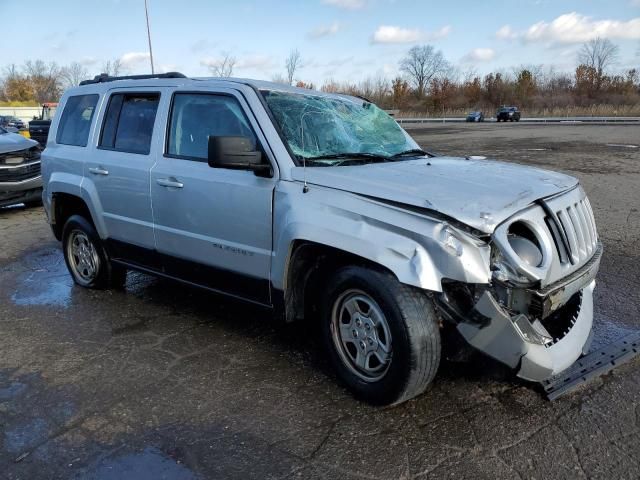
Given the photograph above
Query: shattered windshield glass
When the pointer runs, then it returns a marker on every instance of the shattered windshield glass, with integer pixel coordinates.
(329, 130)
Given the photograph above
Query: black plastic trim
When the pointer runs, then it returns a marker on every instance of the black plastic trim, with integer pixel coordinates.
(103, 77)
(218, 280)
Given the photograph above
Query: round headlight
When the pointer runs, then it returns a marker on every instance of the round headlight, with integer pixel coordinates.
(527, 250)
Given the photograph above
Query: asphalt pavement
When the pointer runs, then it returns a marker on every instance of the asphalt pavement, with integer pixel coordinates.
(163, 381)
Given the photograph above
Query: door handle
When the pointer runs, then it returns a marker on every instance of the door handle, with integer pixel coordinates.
(169, 182)
(99, 171)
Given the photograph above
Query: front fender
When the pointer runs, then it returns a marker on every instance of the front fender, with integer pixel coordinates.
(408, 244)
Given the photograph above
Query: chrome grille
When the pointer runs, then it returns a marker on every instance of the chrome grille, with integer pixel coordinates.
(19, 173)
(577, 231)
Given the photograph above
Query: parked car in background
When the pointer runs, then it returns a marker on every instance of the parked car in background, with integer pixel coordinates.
(39, 126)
(8, 121)
(20, 178)
(17, 123)
(322, 208)
(511, 114)
(475, 117)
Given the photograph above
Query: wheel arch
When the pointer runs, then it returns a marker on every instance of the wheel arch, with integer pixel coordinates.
(71, 194)
(310, 265)
(63, 206)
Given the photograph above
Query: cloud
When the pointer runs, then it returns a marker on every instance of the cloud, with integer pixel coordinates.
(131, 60)
(506, 33)
(88, 61)
(438, 34)
(256, 62)
(346, 4)
(203, 45)
(262, 63)
(393, 34)
(340, 61)
(574, 28)
(168, 67)
(325, 30)
(479, 55)
(634, 3)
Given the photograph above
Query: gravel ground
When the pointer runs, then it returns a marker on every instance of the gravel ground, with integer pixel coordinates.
(163, 381)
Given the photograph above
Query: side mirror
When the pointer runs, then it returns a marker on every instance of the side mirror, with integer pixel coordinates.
(236, 153)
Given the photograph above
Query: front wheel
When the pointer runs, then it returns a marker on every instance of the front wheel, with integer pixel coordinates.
(381, 336)
(86, 258)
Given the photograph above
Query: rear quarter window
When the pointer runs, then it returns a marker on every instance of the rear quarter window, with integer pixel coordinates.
(128, 122)
(75, 122)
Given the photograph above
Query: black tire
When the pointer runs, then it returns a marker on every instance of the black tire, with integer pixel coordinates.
(414, 335)
(106, 274)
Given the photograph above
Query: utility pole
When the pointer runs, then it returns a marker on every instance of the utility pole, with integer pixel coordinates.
(146, 12)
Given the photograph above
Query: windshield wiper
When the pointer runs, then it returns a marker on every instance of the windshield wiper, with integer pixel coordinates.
(414, 152)
(346, 156)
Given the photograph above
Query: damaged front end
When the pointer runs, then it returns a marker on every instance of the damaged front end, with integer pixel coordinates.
(536, 315)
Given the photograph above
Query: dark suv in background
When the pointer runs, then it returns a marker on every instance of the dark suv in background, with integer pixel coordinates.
(510, 114)
(12, 122)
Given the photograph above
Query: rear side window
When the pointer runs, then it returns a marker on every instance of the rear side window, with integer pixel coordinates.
(128, 123)
(76, 120)
(195, 117)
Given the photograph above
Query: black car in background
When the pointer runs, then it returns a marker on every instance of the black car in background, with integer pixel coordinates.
(39, 126)
(475, 117)
(511, 114)
(12, 122)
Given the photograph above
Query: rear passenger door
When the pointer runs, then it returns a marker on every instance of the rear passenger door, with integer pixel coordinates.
(213, 225)
(119, 168)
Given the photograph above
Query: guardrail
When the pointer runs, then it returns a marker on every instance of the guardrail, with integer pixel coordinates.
(525, 120)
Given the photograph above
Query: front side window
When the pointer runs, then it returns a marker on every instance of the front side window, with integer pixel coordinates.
(128, 123)
(318, 127)
(195, 117)
(76, 120)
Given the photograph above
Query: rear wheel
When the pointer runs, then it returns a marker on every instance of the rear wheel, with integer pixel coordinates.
(86, 258)
(381, 336)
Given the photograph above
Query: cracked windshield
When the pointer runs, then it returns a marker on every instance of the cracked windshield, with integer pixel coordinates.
(330, 131)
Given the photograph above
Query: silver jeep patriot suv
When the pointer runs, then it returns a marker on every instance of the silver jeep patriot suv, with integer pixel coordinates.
(322, 208)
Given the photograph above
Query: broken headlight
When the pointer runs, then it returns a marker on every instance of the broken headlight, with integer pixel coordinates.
(519, 254)
(505, 273)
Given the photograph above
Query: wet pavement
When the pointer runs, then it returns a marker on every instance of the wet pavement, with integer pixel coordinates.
(162, 381)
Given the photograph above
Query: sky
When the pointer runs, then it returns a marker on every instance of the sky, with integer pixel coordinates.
(343, 40)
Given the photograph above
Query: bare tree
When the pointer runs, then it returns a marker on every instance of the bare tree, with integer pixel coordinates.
(278, 78)
(114, 67)
(73, 74)
(292, 64)
(422, 64)
(224, 66)
(599, 53)
(44, 78)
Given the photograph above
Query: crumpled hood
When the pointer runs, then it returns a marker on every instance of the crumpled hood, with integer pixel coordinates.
(479, 193)
(12, 142)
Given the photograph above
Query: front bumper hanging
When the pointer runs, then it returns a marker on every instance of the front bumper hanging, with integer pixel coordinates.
(593, 365)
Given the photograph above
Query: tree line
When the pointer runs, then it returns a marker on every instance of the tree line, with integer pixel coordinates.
(429, 84)
(37, 81)
(426, 83)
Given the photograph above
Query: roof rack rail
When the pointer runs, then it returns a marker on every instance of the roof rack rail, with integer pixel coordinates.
(103, 77)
